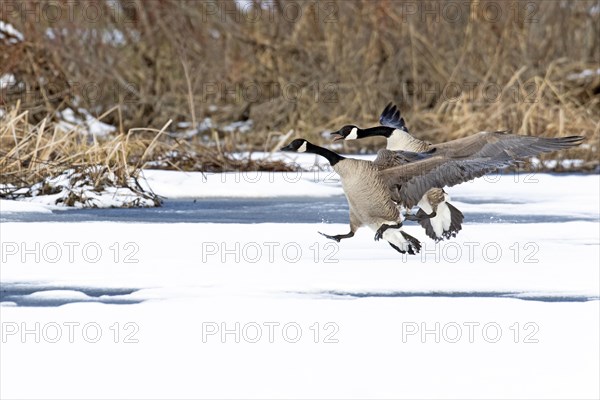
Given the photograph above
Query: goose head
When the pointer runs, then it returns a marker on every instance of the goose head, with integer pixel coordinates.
(297, 146)
(348, 132)
(351, 132)
(304, 146)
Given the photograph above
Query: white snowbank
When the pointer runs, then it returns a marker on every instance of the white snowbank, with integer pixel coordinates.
(12, 206)
(176, 184)
(361, 295)
(91, 187)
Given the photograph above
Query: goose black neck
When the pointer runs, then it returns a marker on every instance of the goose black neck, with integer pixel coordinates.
(331, 156)
(376, 131)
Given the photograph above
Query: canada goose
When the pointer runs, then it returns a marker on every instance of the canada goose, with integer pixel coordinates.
(392, 127)
(368, 197)
(440, 219)
(497, 143)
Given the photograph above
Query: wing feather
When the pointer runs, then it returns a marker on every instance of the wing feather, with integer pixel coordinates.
(467, 159)
(389, 159)
(390, 117)
(409, 182)
(493, 144)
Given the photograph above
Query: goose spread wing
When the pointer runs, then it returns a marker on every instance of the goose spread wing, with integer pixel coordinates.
(496, 144)
(517, 146)
(409, 182)
(495, 150)
(391, 117)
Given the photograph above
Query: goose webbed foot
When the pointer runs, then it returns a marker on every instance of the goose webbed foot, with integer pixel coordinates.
(420, 216)
(337, 238)
(385, 227)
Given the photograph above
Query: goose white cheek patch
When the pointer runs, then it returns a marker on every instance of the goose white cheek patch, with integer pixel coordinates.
(302, 149)
(353, 134)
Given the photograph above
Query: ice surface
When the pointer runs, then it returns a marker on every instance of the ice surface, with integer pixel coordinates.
(157, 291)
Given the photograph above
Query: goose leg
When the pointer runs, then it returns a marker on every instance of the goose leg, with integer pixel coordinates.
(337, 238)
(385, 227)
(410, 217)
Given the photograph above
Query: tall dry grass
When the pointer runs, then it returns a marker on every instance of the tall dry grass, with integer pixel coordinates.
(454, 68)
(31, 152)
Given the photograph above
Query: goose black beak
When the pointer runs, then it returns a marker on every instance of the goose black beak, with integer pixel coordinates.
(336, 136)
(287, 148)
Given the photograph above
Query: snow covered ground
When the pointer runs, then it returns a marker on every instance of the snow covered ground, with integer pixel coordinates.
(272, 310)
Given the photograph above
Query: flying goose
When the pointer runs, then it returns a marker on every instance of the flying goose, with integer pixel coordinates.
(374, 188)
(440, 219)
(495, 143)
(368, 196)
(392, 127)
(491, 146)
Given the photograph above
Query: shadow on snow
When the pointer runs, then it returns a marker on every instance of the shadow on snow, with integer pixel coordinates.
(21, 295)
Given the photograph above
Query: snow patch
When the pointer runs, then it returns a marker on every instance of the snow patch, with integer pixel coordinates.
(586, 73)
(90, 124)
(9, 33)
(89, 187)
(238, 126)
(7, 80)
(14, 206)
(111, 37)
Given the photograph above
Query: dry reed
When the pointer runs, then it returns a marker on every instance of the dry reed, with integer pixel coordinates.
(454, 68)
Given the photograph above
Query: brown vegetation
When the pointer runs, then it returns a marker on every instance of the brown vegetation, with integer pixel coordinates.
(454, 69)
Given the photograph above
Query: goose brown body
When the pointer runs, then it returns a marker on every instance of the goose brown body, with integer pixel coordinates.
(368, 196)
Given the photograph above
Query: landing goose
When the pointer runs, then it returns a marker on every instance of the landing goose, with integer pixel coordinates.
(368, 197)
(495, 143)
(440, 219)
